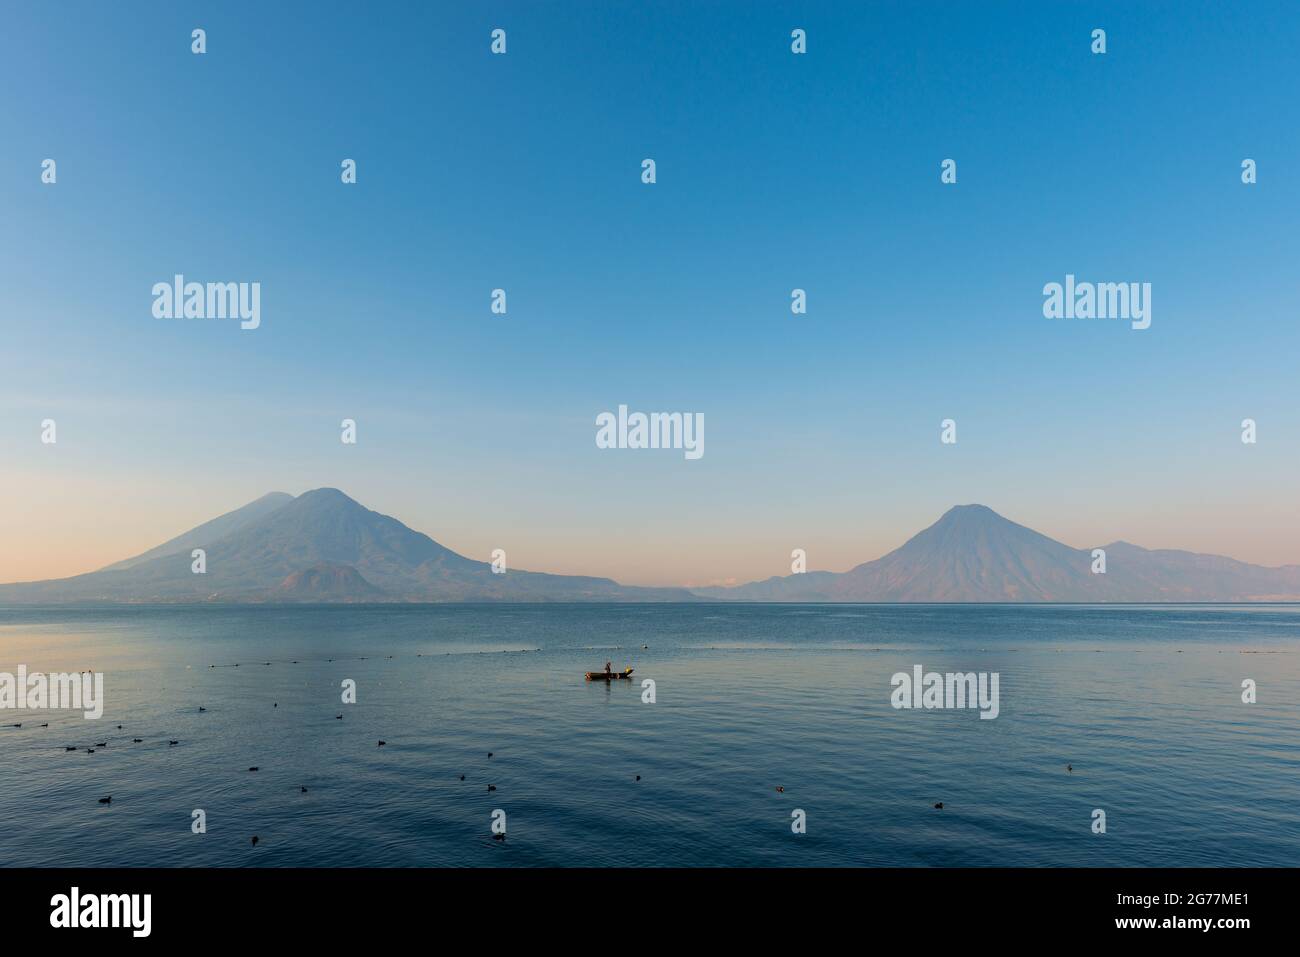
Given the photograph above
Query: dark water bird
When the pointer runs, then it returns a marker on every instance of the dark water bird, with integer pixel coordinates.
(338, 717)
(119, 727)
(492, 787)
(382, 743)
(102, 744)
(73, 748)
(170, 743)
(645, 647)
(252, 769)
(201, 710)
(19, 725)
(489, 754)
(137, 740)
(107, 800)
(276, 705)
(302, 790)
(90, 750)
(939, 806)
(462, 777)
(295, 662)
(638, 777)
(1070, 768)
(236, 664)
(255, 840)
(45, 725)
(780, 789)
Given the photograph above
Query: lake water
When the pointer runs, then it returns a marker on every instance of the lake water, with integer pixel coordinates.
(1144, 702)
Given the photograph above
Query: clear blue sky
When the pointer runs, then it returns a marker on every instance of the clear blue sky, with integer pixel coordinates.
(775, 171)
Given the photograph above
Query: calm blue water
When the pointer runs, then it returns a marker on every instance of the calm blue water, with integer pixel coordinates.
(1145, 703)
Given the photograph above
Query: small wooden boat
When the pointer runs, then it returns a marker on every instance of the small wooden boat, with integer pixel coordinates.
(610, 676)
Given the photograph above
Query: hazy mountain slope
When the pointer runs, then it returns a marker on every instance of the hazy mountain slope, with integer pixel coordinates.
(972, 554)
(1190, 576)
(326, 531)
(809, 586)
(327, 583)
(203, 535)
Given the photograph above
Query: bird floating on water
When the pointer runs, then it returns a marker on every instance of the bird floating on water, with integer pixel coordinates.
(780, 789)
(492, 787)
(107, 800)
(255, 840)
(252, 769)
(939, 806)
(382, 743)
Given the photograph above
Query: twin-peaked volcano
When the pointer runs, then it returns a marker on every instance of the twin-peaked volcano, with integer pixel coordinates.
(973, 554)
(320, 546)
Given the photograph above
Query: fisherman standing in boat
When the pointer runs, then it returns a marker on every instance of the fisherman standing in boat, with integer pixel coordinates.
(608, 667)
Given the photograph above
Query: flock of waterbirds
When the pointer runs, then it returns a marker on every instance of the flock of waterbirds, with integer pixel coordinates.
(255, 839)
(108, 799)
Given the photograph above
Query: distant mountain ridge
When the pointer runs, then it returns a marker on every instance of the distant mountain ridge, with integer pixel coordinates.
(973, 554)
(321, 546)
(325, 547)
